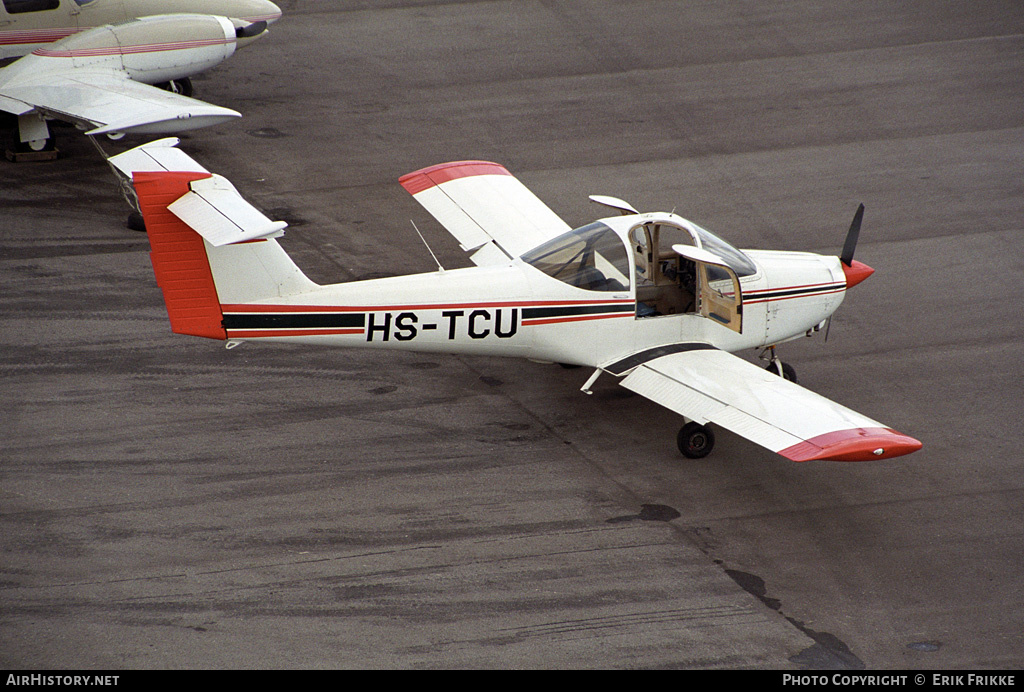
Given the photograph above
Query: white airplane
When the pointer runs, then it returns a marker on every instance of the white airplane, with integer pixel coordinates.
(651, 298)
(91, 62)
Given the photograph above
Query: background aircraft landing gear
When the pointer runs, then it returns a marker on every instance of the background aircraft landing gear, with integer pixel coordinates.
(695, 440)
(38, 150)
(32, 140)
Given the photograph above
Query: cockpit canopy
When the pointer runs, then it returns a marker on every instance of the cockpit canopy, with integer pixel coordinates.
(592, 257)
(737, 261)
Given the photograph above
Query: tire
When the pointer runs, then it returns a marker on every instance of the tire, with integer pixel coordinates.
(695, 441)
(788, 372)
(178, 86)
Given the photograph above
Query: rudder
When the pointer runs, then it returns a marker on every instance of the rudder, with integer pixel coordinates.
(179, 256)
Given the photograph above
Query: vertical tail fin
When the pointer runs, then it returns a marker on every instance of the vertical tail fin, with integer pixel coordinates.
(209, 247)
(179, 256)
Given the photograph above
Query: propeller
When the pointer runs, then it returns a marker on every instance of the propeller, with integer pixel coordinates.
(855, 272)
(851, 238)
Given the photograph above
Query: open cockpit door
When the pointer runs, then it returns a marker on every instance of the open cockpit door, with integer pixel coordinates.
(665, 283)
(718, 287)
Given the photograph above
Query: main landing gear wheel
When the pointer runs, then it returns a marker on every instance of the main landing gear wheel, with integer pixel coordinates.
(695, 440)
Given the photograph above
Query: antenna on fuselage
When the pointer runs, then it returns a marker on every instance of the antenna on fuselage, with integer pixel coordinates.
(439, 267)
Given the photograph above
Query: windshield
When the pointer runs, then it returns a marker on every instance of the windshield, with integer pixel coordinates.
(591, 257)
(736, 260)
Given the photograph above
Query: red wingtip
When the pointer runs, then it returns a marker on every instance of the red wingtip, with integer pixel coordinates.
(856, 272)
(426, 178)
(859, 444)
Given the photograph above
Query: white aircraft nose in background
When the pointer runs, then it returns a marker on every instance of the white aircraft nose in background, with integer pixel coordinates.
(26, 25)
(90, 62)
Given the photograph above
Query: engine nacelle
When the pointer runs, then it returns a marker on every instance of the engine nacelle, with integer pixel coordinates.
(151, 49)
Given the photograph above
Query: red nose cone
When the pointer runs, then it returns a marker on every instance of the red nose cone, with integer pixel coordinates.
(856, 272)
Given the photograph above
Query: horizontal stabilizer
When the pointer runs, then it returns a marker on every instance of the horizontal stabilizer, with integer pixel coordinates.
(214, 209)
(158, 155)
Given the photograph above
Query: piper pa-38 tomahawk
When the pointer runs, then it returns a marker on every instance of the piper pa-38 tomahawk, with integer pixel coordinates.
(651, 298)
(99, 78)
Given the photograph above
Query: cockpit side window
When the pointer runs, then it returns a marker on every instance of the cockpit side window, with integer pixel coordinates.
(591, 257)
(19, 6)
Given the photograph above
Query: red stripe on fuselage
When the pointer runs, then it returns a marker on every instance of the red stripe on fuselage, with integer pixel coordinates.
(127, 50)
(247, 308)
(767, 295)
(17, 38)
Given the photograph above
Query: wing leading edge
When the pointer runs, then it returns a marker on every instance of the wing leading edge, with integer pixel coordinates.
(706, 385)
(489, 211)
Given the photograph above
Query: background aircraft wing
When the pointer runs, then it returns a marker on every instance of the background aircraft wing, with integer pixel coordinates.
(109, 102)
(706, 385)
(488, 210)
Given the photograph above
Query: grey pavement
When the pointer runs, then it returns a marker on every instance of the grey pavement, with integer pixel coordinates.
(166, 503)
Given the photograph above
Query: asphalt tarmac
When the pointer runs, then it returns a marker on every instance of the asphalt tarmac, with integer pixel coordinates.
(166, 503)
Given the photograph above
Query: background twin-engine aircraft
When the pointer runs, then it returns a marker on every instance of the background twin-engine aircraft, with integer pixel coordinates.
(652, 298)
(91, 62)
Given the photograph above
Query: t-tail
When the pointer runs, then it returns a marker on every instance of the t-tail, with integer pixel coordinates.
(209, 247)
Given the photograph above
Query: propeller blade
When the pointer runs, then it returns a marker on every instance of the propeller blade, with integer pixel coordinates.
(851, 237)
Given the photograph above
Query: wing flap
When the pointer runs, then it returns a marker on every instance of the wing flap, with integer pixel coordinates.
(709, 385)
(481, 204)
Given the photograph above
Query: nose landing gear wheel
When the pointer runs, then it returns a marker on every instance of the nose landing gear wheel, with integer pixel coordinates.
(695, 440)
(788, 371)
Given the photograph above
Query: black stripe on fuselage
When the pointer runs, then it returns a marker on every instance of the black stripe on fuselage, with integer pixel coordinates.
(571, 310)
(792, 292)
(294, 320)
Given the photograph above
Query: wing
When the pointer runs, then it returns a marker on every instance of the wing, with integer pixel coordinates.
(706, 384)
(108, 102)
(488, 210)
